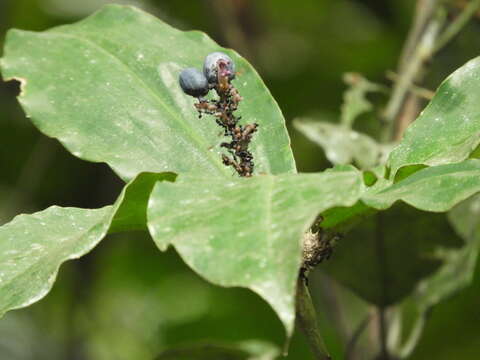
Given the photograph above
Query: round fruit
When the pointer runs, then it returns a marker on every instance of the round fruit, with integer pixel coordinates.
(193, 82)
(215, 62)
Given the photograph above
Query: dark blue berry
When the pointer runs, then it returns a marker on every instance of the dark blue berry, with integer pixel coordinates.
(193, 82)
(214, 62)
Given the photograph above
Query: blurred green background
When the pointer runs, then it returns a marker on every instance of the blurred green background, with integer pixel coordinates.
(126, 300)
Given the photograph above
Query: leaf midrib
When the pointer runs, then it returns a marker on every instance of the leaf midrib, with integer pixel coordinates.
(201, 143)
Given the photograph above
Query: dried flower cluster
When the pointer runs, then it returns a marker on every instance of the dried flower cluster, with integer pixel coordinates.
(218, 73)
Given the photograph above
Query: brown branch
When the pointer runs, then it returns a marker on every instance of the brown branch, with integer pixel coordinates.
(409, 72)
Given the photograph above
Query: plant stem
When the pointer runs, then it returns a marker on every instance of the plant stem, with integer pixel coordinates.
(383, 269)
(415, 89)
(350, 348)
(454, 28)
(423, 42)
(307, 322)
(407, 75)
(423, 12)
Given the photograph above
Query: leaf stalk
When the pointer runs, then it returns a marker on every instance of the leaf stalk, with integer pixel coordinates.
(307, 321)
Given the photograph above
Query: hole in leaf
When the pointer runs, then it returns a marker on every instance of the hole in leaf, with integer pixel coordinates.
(406, 171)
(475, 153)
(369, 178)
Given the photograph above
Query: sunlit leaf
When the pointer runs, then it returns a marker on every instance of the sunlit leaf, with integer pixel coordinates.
(247, 232)
(32, 248)
(437, 188)
(448, 130)
(107, 88)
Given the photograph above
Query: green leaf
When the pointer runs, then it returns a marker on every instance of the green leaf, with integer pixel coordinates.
(448, 130)
(32, 248)
(454, 275)
(434, 189)
(437, 188)
(247, 232)
(107, 88)
(343, 145)
(422, 264)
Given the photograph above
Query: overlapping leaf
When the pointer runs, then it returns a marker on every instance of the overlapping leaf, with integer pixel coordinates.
(32, 247)
(448, 130)
(437, 189)
(107, 88)
(247, 232)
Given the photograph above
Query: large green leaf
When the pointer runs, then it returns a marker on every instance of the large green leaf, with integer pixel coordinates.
(448, 130)
(247, 232)
(107, 88)
(32, 248)
(434, 189)
(438, 188)
(420, 265)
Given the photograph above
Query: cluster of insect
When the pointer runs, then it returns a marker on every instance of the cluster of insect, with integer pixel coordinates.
(218, 73)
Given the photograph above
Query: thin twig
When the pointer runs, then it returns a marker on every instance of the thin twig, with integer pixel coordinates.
(423, 12)
(454, 28)
(430, 42)
(307, 322)
(426, 94)
(383, 269)
(332, 298)
(407, 76)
